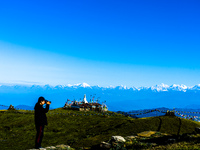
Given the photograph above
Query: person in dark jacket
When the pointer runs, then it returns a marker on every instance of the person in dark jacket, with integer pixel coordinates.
(40, 119)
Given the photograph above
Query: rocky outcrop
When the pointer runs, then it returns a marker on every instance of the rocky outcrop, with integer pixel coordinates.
(116, 141)
(142, 140)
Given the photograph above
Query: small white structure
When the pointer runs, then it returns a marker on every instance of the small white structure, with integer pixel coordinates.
(84, 99)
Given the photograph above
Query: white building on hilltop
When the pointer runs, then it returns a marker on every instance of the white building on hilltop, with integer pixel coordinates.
(84, 99)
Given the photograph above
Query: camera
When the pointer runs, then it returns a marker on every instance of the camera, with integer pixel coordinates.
(47, 101)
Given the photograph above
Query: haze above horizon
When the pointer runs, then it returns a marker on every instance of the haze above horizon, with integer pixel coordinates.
(132, 43)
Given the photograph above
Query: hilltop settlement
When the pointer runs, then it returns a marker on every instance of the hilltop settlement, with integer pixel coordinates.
(84, 105)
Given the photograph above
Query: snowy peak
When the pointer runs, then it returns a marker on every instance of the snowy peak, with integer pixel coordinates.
(142, 88)
(162, 87)
(84, 85)
(177, 87)
(196, 87)
(133, 88)
(121, 87)
(173, 87)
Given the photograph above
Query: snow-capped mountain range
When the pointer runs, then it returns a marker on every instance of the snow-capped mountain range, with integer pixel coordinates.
(158, 88)
(117, 97)
(164, 87)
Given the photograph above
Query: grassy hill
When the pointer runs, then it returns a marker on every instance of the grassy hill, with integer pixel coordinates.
(82, 129)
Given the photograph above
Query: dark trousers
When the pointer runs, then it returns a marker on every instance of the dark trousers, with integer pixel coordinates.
(39, 135)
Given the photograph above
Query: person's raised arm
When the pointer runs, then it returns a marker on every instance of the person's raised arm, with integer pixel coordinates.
(46, 109)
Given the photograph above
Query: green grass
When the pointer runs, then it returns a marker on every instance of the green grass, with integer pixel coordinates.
(81, 129)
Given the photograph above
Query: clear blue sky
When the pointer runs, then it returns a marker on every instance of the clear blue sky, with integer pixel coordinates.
(100, 42)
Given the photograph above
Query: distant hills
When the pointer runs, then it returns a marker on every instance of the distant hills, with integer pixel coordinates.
(24, 107)
(116, 97)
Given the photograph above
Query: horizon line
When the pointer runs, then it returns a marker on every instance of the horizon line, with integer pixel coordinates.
(84, 84)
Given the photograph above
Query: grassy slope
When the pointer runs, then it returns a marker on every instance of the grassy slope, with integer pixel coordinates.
(17, 131)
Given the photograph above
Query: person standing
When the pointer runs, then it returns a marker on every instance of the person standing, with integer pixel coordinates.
(40, 119)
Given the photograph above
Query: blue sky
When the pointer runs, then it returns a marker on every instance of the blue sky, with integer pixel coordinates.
(101, 42)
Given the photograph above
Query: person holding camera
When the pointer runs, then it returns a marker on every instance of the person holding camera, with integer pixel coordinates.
(40, 119)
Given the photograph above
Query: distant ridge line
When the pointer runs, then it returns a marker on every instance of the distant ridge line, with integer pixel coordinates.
(159, 88)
